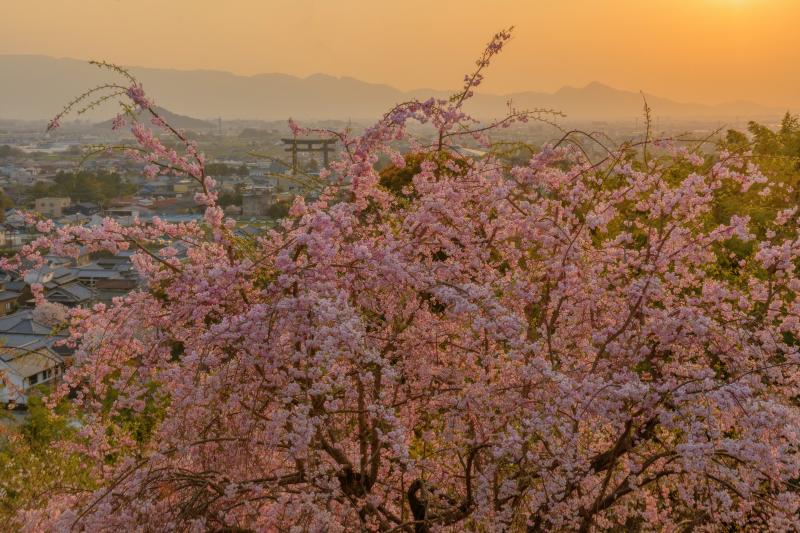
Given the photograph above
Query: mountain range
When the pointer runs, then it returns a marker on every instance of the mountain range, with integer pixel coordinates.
(35, 87)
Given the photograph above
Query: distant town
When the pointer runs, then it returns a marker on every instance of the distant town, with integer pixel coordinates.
(48, 176)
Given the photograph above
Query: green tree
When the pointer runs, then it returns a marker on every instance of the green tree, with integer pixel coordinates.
(10, 152)
(225, 170)
(777, 154)
(85, 186)
(783, 142)
(31, 465)
(5, 203)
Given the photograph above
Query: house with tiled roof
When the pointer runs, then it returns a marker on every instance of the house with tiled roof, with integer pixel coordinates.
(30, 356)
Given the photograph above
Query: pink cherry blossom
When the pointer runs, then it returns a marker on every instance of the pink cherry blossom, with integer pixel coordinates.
(551, 346)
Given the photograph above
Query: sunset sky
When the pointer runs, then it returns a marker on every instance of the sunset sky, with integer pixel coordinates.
(696, 50)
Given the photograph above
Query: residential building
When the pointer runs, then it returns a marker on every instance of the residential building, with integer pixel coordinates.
(51, 207)
(183, 186)
(82, 208)
(28, 356)
(8, 300)
(60, 282)
(256, 201)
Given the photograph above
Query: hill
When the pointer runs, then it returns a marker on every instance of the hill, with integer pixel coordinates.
(176, 120)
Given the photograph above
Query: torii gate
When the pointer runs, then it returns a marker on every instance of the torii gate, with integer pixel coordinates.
(308, 145)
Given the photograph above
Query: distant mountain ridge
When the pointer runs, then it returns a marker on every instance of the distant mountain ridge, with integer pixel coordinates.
(34, 88)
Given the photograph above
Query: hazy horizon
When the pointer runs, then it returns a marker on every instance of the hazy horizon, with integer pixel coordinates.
(704, 51)
(452, 88)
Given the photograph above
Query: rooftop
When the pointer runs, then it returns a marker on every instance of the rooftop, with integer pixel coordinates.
(21, 330)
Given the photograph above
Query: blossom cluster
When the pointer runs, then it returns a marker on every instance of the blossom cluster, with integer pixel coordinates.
(491, 347)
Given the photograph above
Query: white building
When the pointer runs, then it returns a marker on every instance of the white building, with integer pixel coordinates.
(51, 207)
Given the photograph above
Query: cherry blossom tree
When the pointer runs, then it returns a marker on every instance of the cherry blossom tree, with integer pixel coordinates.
(564, 345)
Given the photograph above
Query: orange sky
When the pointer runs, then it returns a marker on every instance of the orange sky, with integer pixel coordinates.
(698, 50)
